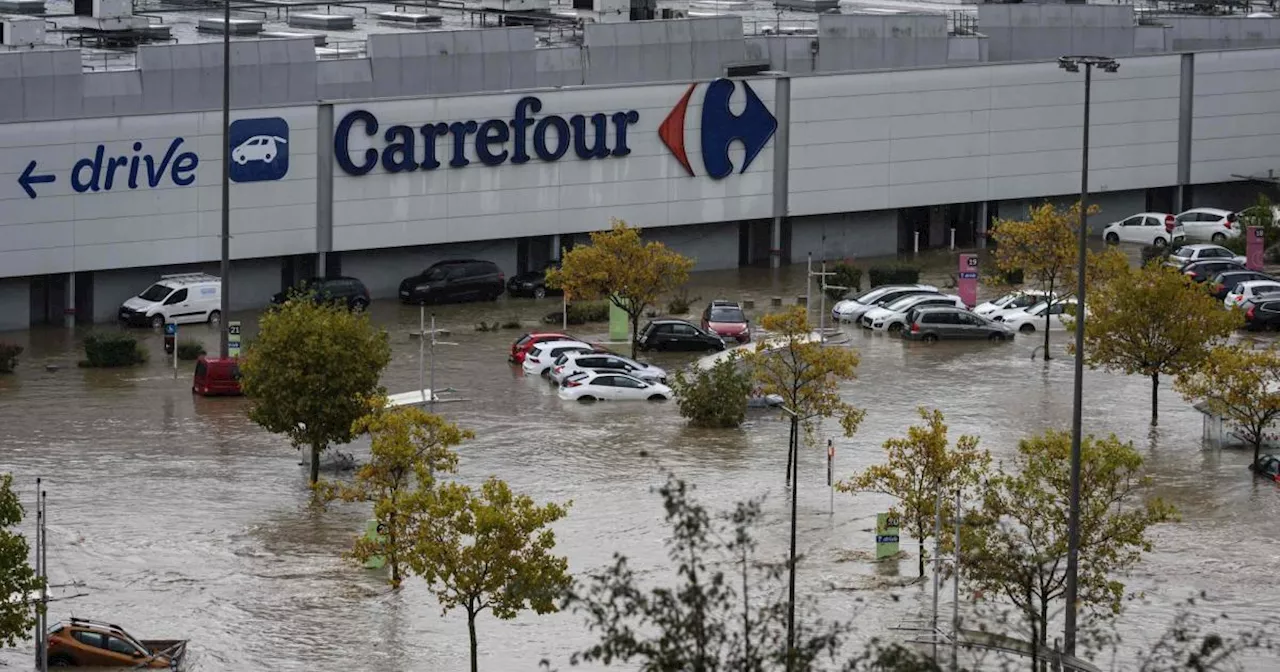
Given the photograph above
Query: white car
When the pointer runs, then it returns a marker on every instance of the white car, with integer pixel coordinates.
(1148, 228)
(1250, 290)
(1201, 252)
(538, 361)
(573, 361)
(601, 386)
(893, 317)
(1031, 319)
(258, 148)
(850, 310)
(1212, 224)
(1024, 298)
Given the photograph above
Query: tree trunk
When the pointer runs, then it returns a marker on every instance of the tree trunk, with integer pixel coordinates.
(635, 327)
(1044, 632)
(471, 629)
(920, 559)
(1257, 451)
(1155, 410)
(393, 558)
(791, 442)
(316, 449)
(1049, 298)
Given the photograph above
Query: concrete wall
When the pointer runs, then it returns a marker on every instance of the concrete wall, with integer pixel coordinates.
(1193, 33)
(1029, 32)
(712, 246)
(1235, 129)
(859, 42)
(382, 270)
(786, 53)
(1113, 206)
(661, 51)
(253, 282)
(854, 235)
(15, 303)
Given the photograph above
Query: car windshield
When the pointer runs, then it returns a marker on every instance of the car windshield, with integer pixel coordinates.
(870, 293)
(1038, 308)
(901, 304)
(1183, 251)
(727, 314)
(436, 273)
(156, 292)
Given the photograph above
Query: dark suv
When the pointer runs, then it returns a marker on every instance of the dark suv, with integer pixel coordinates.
(347, 291)
(533, 283)
(454, 281)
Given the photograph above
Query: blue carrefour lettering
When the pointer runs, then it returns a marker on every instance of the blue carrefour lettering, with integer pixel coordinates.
(103, 173)
(492, 142)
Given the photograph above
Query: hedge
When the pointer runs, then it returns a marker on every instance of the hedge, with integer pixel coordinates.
(9, 356)
(110, 349)
(893, 275)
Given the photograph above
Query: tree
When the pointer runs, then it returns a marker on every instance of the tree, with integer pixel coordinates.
(490, 550)
(310, 373)
(1045, 247)
(1153, 320)
(1016, 547)
(17, 579)
(722, 614)
(618, 265)
(1240, 385)
(715, 397)
(916, 470)
(409, 447)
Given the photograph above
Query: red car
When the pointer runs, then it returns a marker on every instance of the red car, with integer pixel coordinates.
(726, 320)
(216, 377)
(525, 343)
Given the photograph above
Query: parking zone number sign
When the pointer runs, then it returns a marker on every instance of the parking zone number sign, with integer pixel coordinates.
(233, 340)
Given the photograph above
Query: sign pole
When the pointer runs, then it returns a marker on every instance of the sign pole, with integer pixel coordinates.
(967, 282)
(431, 393)
(39, 634)
(1254, 244)
(955, 595)
(831, 465)
(937, 560)
(422, 346)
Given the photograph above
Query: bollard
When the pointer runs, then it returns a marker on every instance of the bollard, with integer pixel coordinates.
(748, 304)
(802, 300)
(775, 301)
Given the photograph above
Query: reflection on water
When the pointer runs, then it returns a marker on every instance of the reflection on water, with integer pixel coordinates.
(183, 519)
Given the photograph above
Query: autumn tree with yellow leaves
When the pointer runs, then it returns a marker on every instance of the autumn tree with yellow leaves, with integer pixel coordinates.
(618, 265)
(1150, 321)
(1242, 386)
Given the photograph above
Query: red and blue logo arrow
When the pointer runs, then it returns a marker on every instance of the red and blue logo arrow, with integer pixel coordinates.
(26, 179)
(720, 128)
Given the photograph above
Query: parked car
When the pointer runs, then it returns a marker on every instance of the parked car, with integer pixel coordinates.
(893, 317)
(1201, 271)
(348, 291)
(1212, 224)
(603, 386)
(935, 323)
(726, 319)
(1024, 298)
(1187, 254)
(521, 346)
(1249, 291)
(1221, 284)
(216, 376)
(454, 281)
(85, 643)
(1148, 228)
(851, 310)
(672, 334)
(178, 299)
(1030, 319)
(1268, 467)
(534, 283)
(1263, 315)
(572, 362)
(539, 359)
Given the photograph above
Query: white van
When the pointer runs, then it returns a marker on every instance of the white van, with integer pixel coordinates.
(181, 299)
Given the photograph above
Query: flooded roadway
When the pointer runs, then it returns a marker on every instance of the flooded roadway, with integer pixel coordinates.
(183, 519)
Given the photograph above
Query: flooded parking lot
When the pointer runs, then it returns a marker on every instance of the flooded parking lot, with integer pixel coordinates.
(183, 519)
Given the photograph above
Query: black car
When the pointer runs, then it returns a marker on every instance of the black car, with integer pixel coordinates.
(1222, 283)
(1201, 271)
(533, 283)
(668, 334)
(454, 281)
(1263, 315)
(348, 291)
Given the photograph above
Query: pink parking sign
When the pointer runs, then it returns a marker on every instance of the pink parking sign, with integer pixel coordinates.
(1253, 249)
(967, 281)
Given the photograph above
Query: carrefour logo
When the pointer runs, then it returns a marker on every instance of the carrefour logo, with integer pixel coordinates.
(720, 128)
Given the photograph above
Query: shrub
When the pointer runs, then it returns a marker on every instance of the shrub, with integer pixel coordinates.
(846, 275)
(715, 397)
(189, 349)
(1152, 253)
(680, 303)
(595, 311)
(110, 349)
(512, 323)
(893, 275)
(9, 356)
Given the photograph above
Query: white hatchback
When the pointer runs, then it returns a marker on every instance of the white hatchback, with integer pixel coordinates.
(1148, 228)
(539, 360)
(601, 386)
(893, 317)
(1030, 319)
(1212, 224)
(1250, 290)
(1008, 303)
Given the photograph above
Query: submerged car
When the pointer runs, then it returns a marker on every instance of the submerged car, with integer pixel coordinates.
(601, 386)
(84, 643)
(1268, 466)
(726, 319)
(1008, 303)
(534, 283)
(893, 317)
(670, 334)
(851, 310)
(1030, 319)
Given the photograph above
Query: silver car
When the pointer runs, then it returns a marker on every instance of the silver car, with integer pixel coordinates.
(604, 362)
(851, 310)
(937, 323)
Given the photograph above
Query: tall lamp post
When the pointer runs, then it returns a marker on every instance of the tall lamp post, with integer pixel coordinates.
(225, 271)
(1072, 64)
(794, 454)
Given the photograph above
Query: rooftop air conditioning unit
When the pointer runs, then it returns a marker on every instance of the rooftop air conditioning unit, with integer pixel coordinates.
(16, 32)
(112, 9)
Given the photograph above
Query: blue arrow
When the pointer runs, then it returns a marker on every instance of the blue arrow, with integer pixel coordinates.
(26, 179)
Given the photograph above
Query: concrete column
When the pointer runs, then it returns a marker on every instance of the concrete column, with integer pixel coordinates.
(324, 188)
(982, 225)
(781, 163)
(1186, 100)
(555, 246)
(69, 313)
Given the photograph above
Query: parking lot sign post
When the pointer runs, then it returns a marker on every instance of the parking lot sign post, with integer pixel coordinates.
(886, 535)
(1253, 249)
(171, 344)
(233, 344)
(967, 282)
(831, 465)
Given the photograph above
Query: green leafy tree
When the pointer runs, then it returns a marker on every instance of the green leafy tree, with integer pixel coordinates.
(491, 550)
(409, 448)
(1016, 550)
(1240, 385)
(310, 373)
(918, 466)
(715, 397)
(1259, 214)
(618, 265)
(17, 579)
(1150, 321)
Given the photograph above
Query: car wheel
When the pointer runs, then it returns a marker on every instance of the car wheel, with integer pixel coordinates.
(215, 317)
(586, 398)
(242, 159)
(657, 397)
(930, 338)
(1218, 237)
(1159, 242)
(1027, 328)
(895, 328)
(539, 292)
(359, 305)
(157, 321)
(61, 661)
(1113, 238)
(996, 337)
(267, 157)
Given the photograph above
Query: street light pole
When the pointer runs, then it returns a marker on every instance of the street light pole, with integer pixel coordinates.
(793, 454)
(225, 270)
(1072, 64)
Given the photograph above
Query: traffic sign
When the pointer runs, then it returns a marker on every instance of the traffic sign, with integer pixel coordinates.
(233, 340)
(170, 329)
(969, 275)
